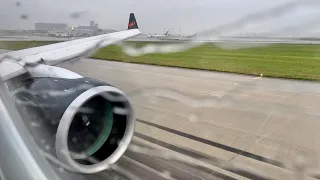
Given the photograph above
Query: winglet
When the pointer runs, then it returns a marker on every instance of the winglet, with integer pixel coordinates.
(132, 22)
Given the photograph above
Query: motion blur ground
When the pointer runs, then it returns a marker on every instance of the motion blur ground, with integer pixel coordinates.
(189, 124)
(278, 59)
(262, 126)
(194, 124)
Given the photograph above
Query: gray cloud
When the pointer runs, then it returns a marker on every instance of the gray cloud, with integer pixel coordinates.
(153, 16)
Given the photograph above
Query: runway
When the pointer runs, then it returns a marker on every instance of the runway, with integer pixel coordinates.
(244, 126)
(194, 124)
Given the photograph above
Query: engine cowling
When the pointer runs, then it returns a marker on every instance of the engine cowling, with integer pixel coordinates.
(88, 122)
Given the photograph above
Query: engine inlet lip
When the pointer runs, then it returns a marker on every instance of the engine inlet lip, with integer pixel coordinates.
(61, 143)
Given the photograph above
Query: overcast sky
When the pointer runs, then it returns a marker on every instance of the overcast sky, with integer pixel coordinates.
(154, 16)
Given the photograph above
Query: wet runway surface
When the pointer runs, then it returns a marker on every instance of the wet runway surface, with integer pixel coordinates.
(244, 126)
(195, 124)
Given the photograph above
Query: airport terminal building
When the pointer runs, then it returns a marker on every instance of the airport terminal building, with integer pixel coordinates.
(63, 30)
(50, 26)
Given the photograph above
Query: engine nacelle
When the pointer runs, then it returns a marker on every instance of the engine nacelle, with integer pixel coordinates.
(88, 122)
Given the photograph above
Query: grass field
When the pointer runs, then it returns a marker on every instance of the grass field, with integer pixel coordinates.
(280, 60)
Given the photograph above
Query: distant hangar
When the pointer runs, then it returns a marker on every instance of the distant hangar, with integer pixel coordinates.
(50, 26)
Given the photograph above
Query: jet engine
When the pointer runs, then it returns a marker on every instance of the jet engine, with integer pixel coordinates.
(85, 123)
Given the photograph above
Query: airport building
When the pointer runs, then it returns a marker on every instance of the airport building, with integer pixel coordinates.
(62, 30)
(50, 26)
(92, 27)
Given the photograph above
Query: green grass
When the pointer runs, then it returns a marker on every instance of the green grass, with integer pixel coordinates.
(17, 45)
(280, 60)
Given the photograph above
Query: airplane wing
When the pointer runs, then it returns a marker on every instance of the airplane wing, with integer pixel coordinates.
(13, 64)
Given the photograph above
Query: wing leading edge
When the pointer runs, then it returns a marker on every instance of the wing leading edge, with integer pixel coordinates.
(54, 54)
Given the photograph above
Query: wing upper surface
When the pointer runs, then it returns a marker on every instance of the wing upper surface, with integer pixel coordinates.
(54, 54)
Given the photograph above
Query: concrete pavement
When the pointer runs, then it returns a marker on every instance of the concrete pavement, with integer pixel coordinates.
(233, 125)
(260, 124)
